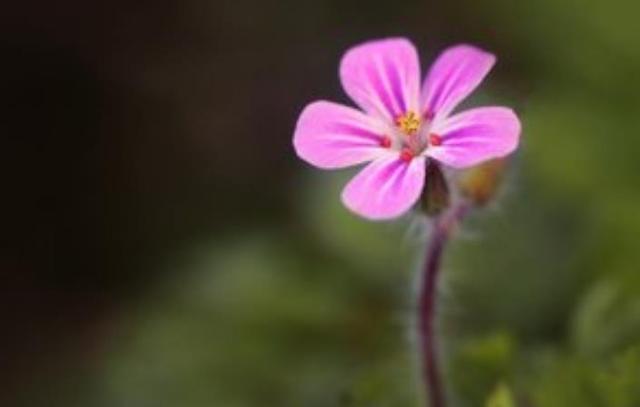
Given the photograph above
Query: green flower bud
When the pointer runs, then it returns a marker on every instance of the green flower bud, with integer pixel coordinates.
(480, 184)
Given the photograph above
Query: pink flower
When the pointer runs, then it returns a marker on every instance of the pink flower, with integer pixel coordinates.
(402, 126)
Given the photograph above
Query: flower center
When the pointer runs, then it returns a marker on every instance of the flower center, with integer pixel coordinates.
(409, 123)
(412, 136)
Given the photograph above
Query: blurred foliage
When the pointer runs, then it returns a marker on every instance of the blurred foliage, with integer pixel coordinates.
(501, 397)
(479, 365)
(256, 322)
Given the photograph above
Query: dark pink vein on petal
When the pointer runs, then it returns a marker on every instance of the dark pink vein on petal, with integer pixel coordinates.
(444, 88)
(344, 128)
(396, 84)
(373, 75)
(464, 132)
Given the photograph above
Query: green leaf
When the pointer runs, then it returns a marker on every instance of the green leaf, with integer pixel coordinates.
(501, 397)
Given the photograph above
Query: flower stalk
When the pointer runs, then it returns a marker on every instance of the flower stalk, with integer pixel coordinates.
(427, 301)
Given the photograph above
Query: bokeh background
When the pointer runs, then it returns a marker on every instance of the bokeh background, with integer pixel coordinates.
(162, 245)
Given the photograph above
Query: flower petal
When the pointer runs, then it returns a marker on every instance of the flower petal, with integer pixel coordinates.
(454, 75)
(383, 77)
(330, 135)
(476, 135)
(386, 188)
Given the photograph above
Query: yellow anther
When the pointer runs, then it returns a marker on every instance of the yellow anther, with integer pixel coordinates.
(409, 123)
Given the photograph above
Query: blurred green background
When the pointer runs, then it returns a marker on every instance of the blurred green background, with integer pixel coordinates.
(162, 245)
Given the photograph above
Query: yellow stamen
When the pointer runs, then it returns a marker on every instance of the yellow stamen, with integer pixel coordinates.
(409, 123)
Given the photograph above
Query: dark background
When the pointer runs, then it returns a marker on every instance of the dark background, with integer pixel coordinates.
(145, 158)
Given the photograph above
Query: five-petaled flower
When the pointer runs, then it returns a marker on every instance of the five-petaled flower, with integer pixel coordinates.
(402, 126)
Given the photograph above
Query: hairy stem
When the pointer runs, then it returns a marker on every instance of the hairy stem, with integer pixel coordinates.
(427, 311)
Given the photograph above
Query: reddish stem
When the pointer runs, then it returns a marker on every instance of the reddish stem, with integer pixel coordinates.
(444, 225)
